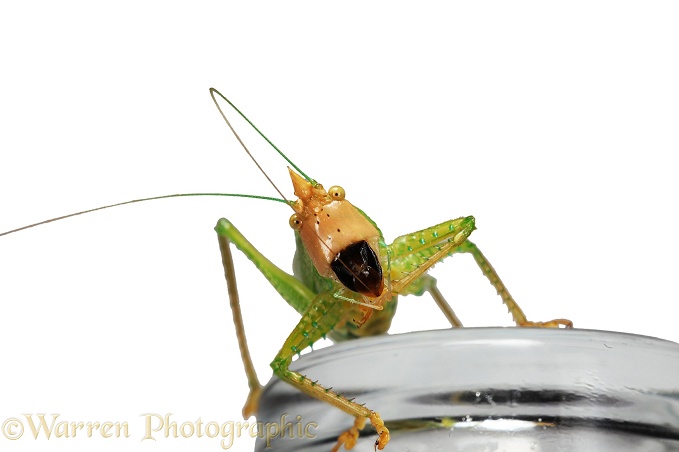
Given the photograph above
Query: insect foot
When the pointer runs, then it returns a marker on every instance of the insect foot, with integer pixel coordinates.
(252, 402)
(556, 323)
(348, 438)
(382, 431)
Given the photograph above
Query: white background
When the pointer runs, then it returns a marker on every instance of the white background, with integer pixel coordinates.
(556, 127)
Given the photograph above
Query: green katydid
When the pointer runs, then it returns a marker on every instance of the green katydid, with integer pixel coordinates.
(345, 282)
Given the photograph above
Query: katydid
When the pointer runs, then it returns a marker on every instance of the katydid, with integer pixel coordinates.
(345, 280)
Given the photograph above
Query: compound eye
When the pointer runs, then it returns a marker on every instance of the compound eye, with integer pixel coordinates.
(295, 222)
(336, 193)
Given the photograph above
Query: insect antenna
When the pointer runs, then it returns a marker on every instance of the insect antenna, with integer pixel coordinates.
(283, 199)
(214, 91)
(153, 198)
(179, 195)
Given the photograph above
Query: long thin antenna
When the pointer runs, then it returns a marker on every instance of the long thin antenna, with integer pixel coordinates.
(284, 200)
(179, 195)
(213, 91)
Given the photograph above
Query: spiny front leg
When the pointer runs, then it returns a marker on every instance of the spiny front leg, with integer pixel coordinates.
(321, 317)
(514, 309)
(412, 255)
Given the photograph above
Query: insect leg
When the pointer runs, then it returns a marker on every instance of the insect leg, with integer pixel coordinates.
(320, 314)
(294, 292)
(443, 305)
(323, 314)
(414, 254)
(514, 309)
(428, 283)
